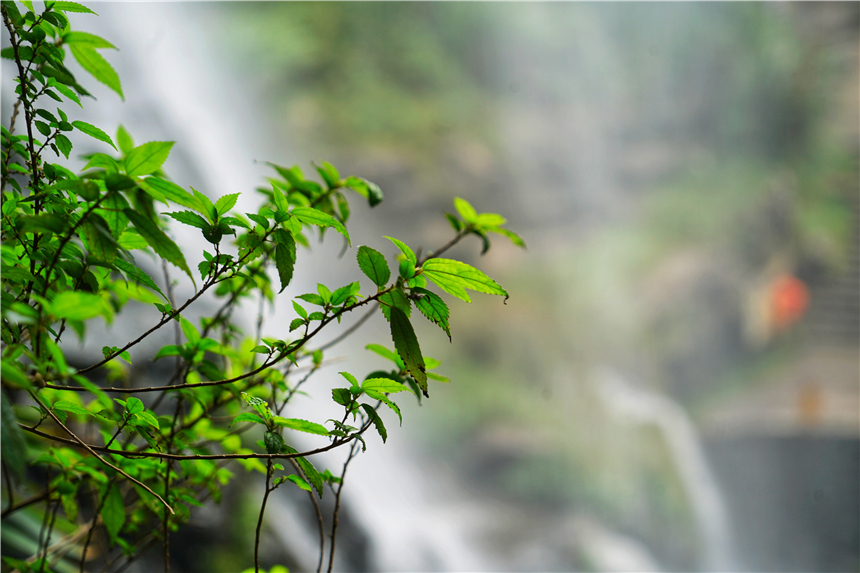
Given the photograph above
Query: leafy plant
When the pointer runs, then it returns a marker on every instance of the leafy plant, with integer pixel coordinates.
(121, 458)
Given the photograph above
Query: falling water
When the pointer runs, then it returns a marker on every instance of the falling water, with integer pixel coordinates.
(637, 406)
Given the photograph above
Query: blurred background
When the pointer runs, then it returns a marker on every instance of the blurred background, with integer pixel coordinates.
(674, 383)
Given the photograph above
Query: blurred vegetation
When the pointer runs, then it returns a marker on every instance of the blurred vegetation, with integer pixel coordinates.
(743, 98)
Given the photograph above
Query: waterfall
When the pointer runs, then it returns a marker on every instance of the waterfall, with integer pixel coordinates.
(640, 407)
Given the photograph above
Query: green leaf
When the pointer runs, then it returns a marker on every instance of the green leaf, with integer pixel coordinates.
(91, 40)
(515, 239)
(300, 310)
(407, 347)
(385, 400)
(301, 425)
(160, 242)
(366, 189)
(131, 240)
(225, 203)
(112, 213)
(454, 277)
(134, 405)
(113, 512)
(65, 6)
(312, 474)
(163, 190)
(248, 417)
(285, 257)
(205, 205)
(342, 396)
(124, 140)
(404, 248)
(466, 210)
(394, 299)
(312, 298)
(13, 448)
(67, 406)
(273, 441)
(147, 158)
(93, 131)
(137, 275)
(373, 264)
(313, 216)
(169, 350)
(77, 305)
(299, 482)
(68, 92)
(189, 218)
(190, 331)
(97, 238)
(382, 351)
(43, 222)
(383, 385)
(95, 64)
(377, 421)
(339, 296)
(434, 308)
(63, 144)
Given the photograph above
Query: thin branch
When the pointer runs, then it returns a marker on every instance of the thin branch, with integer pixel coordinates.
(353, 451)
(443, 248)
(269, 471)
(93, 452)
(26, 503)
(92, 449)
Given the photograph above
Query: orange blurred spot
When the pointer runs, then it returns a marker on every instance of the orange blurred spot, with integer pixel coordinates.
(789, 299)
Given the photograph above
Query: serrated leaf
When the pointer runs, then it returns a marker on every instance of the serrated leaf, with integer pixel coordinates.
(63, 144)
(134, 405)
(311, 473)
(299, 482)
(385, 400)
(339, 296)
(189, 218)
(376, 420)
(316, 217)
(404, 248)
(147, 158)
(372, 263)
(112, 212)
(95, 64)
(407, 347)
(301, 425)
(225, 203)
(434, 308)
(383, 385)
(312, 298)
(67, 406)
(382, 351)
(161, 243)
(86, 38)
(274, 442)
(454, 277)
(248, 417)
(164, 190)
(137, 275)
(342, 396)
(394, 299)
(66, 6)
(93, 131)
(285, 257)
(68, 92)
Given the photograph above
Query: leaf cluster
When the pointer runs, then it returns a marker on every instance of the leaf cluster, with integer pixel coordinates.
(76, 248)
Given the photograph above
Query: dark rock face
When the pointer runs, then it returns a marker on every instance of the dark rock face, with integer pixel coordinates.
(794, 500)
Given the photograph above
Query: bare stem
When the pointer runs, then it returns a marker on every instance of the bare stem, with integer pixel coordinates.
(269, 470)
